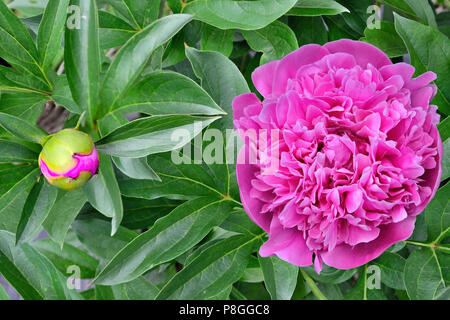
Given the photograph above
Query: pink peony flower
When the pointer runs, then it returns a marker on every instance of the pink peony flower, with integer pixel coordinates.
(358, 154)
(69, 159)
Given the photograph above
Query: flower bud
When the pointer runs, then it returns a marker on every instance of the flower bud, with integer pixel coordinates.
(69, 159)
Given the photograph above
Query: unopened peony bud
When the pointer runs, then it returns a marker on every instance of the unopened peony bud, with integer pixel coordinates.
(69, 159)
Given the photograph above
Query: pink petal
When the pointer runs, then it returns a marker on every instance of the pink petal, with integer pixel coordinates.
(263, 77)
(345, 256)
(288, 66)
(363, 52)
(245, 173)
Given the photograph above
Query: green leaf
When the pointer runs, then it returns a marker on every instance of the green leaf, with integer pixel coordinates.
(166, 92)
(437, 214)
(169, 237)
(133, 56)
(12, 80)
(358, 16)
(330, 274)
(426, 274)
(151, 135)
(14, 152)
(139, 13)
(27, 106)
(63, 213)
(143, 213)
(444, 129)
(220, 77)
(13, 275)
(430, 51)
(21, 128)
(253, 273)
(363, 289)
(419, 9)
(136, 168)
(386, 39)
(114, 32)
(3, 294)
(275, 41)
(239, 222)
(392, 267)
(37, 207)
(82, 57)
(446, 160)
(28, 7)
(309, 30)
(103, 193)
(317, 8)
(95, 235)
(244, 14)
(280, 277)
(51, 31)
(18, 47)
(38, 271)
(68, 256)
(63, 96)
(12, 174)
(214, 39)
(213, 270)
(12, 202)
(179, 181)
(138, 289)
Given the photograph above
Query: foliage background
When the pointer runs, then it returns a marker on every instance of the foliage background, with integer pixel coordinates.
(145, 228)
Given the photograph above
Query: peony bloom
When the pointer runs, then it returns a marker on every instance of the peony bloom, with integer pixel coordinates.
(358, 153)
(68, 159)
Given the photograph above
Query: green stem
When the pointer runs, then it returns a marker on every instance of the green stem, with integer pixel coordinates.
(80, 120)
(428, 245)
(312, 284)
(236, 294)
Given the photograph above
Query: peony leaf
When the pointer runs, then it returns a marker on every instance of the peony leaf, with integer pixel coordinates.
(280, 277)
(214, 39)
(37, 207)
(51, 31)
(68, 256)
(14, 152)
(430, 51)
(34, 274)
(363, 290)
(275, 41)
(114, 31)
(392, 266)
(437, 214)
(138, 13)
(103, 193)
(329, 274)
(21, 128)
(179, 181)
(151, 135)
(317, 8)
(426, 274)
(95, 235)
(13, 200)
(386, 39)
(169, 237)
(165, 92)
(82, 56)
(214, 269)
(136, 168)
(232, 14)
(446, 160)
(413, 8)
(67, 206)
(133, 56)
